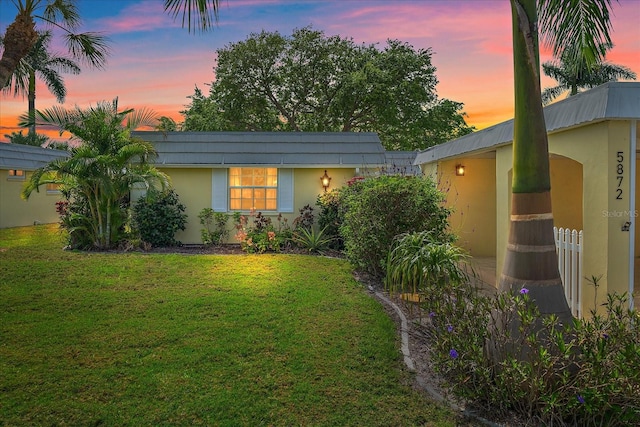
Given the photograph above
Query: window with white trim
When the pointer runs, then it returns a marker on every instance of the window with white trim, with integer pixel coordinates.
(253, 188)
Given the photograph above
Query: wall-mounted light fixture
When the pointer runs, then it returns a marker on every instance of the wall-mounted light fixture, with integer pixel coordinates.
(459, 170)
(326, 180)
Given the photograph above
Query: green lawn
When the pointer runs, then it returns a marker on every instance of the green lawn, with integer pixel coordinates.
(140, 339)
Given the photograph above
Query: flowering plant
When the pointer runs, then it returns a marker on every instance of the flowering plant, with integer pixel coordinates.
(261, 235)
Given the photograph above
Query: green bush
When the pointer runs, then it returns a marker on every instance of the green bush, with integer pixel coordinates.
(376, 210)
(215, 226)
(330, 218)
(586, 373)
(305, 219)
(158, 216)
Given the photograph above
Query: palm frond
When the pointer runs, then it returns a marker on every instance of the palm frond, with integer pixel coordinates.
(583, 24)
(202, 14)
(551, 93)
(90, 48)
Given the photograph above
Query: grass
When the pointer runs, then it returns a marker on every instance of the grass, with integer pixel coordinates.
(225, 340)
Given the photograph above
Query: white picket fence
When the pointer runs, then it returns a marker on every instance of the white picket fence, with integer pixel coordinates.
(569, 248)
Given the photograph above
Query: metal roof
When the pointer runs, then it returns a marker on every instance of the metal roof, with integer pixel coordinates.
(611, 101)
(290, 149)
(27, 157)
(401, 162)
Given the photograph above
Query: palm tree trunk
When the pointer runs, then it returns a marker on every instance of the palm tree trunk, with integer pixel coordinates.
(531, 260)
(32, 104)
(18, 41)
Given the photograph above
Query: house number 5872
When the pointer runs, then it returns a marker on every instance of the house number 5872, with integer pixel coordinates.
(619, 174)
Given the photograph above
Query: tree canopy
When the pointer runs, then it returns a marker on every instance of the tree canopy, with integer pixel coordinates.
(573, 77)
(312, 82)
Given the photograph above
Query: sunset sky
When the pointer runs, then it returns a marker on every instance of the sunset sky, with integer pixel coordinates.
(157, 64)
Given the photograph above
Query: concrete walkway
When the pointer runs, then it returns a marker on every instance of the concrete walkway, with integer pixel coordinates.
(485, 276)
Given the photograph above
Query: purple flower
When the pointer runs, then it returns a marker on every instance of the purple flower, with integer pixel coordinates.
(580, 398)
(432, 315)
(453, 353)
(605, 335)
(450, 328)
(524, 291)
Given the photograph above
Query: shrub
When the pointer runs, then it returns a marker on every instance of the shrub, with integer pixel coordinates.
(305, 219)
(586, 373)
(158, 216)
(76, 218)
(330, 218)
(378, 209)
(215, 226)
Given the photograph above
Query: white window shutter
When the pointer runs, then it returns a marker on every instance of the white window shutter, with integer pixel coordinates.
(285, 190)
(219, 190)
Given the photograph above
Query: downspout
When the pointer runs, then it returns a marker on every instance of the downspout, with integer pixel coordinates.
(632, 208)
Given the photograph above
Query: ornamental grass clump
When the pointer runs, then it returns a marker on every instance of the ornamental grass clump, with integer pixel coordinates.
(585, 373)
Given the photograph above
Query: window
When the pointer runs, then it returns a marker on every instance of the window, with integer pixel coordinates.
(253, 188)
(53, 188)
(16, 174)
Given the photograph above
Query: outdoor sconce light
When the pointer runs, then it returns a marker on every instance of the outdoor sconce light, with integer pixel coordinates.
(459, 170)
(326, 180)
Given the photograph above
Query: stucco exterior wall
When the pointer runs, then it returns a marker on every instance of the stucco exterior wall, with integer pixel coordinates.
(606, 246)
(307, 186)
(566, 192)
(16, 212)
(473, 199)
(504, 163)
(194, 189)
(590, 157)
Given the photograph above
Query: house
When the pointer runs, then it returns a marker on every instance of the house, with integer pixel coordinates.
(270, 172)
(593, 149)
(17, 163)
(276, 173)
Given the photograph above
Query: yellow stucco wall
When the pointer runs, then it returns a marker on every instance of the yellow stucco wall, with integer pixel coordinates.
(194, 189)
(504, 163)
(16, 212)
(637, 210)
(586, 194)
(606, 246)
(589, 154)
(473, 199)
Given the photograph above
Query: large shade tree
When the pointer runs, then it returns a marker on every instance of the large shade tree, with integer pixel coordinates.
(104, 163)
(40, 63)
(314, 83)
(531, 260)
(572, 78)
(21, 35)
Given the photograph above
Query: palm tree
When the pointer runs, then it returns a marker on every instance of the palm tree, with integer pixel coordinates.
(530, 260)
(21, 35)
(41, 63)
(571, 78)
(103, 166)
(201, 14)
